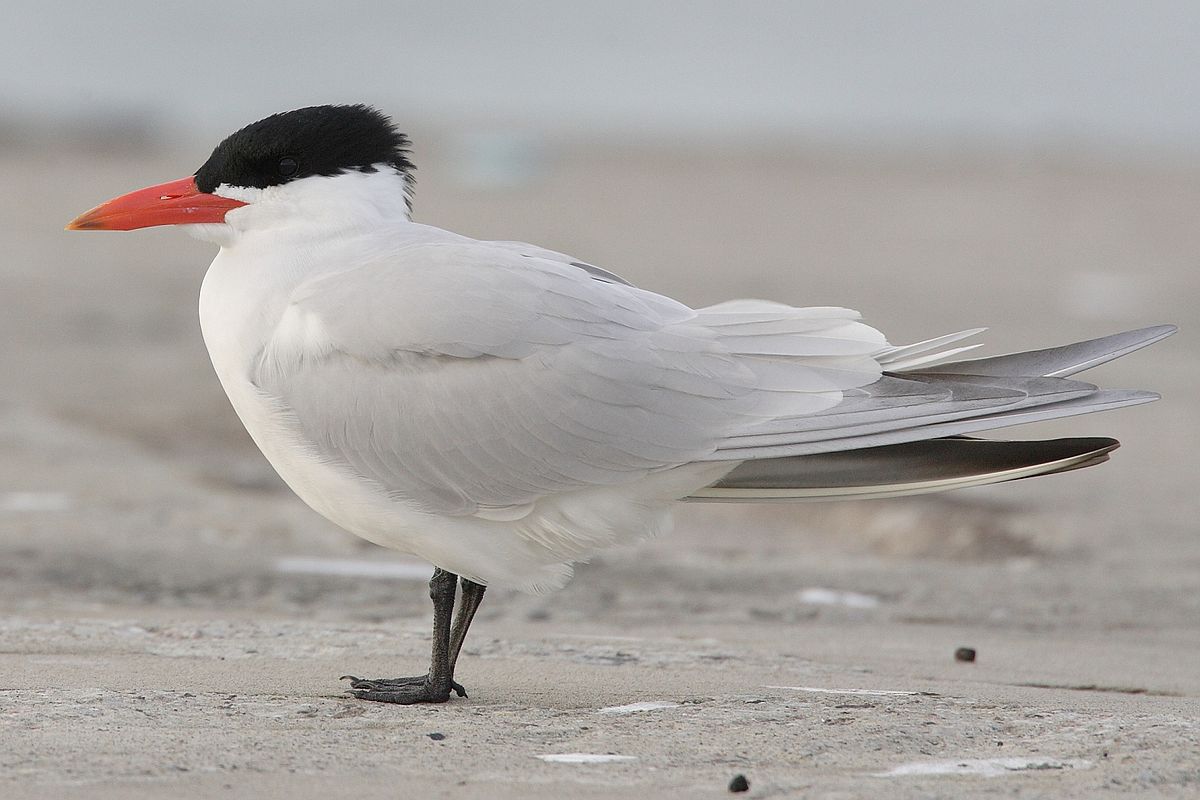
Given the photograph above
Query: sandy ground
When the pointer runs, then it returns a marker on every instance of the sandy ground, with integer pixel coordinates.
(165, 629)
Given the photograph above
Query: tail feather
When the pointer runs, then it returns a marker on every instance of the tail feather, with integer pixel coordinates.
(932, 465)
(947, 400)
(910, 355)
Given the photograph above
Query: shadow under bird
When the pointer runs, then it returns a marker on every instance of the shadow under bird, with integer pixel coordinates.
(504, 411)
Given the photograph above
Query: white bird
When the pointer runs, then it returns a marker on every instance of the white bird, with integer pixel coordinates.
(504, 411)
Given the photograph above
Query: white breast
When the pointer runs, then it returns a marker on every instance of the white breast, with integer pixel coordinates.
(243, 304)
(243, 307)
(246, 317)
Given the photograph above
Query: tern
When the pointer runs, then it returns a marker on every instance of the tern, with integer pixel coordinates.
(504, 411)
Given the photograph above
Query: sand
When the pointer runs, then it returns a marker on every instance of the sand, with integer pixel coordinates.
(174, 622)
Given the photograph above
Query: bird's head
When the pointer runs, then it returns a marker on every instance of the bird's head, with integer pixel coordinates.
(322, 165)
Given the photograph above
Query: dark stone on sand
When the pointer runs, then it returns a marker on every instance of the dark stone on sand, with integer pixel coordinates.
(437, 737)
(964, 654)
(739, 784)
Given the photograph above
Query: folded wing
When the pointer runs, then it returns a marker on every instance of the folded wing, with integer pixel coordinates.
(475, 379)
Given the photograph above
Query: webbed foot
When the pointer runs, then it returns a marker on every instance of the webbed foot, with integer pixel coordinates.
(405, 691)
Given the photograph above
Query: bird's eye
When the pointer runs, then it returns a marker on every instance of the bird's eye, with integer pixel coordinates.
(288, 167)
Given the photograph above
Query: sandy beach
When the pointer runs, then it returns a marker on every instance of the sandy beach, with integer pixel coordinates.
(173, 622)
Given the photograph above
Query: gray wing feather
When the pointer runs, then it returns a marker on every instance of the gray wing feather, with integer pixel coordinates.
(467, 376)
(1102, 400)
(1059, 362)
(904, 469)
(533, 251)
(984, 394)
(962, 401)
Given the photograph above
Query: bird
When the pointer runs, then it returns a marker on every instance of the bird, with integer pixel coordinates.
(504, 411)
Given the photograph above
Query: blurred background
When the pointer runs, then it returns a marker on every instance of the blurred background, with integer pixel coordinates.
(1029, 166)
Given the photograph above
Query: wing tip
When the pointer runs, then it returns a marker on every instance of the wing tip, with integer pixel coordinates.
(1135, 397)
(1160, 331)
(933, 465)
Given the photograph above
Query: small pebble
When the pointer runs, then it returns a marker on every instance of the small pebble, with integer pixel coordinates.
(739, 784)
(437, 737)
(964, 654)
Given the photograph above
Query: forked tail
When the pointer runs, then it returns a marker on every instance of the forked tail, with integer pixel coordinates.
(904, 435)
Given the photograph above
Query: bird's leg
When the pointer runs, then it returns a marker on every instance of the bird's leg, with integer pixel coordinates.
(435, 686)
(472, 596)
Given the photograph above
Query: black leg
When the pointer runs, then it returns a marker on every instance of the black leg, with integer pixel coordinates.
(434, 687)
(472, 596)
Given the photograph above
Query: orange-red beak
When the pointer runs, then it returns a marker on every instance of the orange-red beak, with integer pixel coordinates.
(173, 203)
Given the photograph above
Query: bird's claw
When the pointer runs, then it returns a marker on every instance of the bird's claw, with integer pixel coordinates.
(405, 691)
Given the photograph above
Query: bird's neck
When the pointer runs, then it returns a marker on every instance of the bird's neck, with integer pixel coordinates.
(319, 207)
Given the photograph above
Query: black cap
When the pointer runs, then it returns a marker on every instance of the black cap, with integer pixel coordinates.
(319, 140)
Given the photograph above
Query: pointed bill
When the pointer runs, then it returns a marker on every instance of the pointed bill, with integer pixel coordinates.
(176, 202)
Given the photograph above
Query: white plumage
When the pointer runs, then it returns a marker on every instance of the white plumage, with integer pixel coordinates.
(502, 410)
(505, 411)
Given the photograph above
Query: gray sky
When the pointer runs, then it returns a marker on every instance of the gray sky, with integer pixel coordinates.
(1107, 74)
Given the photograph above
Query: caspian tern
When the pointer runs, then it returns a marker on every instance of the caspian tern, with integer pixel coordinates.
(504, 411)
